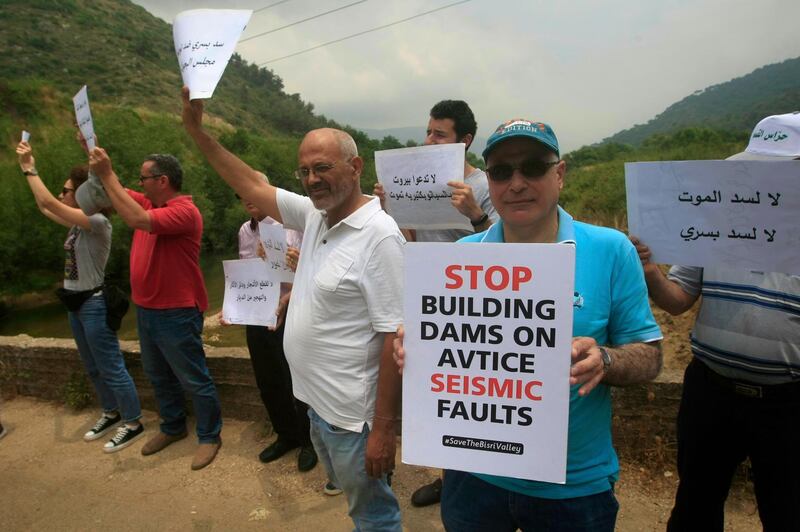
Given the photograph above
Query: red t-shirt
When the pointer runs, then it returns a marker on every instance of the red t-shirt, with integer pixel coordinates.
(165, 263)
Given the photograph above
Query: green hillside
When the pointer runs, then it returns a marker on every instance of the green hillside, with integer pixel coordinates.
(594, 188)
(125, 56)
(736, 105)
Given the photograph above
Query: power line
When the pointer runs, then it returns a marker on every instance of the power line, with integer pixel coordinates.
(269, 6)
(364, 32)
(312, 17)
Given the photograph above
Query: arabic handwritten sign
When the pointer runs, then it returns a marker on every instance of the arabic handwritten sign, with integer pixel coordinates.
(204, 41)
(488, 340)
(83, 116)
(702, 213)
(415, 183)
(251, 293)
(273, 240)
(25, 136)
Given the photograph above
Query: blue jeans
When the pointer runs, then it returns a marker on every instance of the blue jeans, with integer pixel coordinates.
(99, 349)
(470, 504)
(372, 505)
(174, 361)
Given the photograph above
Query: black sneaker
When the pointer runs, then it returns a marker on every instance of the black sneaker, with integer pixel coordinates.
(3, 431)
(103, 425)
(124, 437)
(331, 489)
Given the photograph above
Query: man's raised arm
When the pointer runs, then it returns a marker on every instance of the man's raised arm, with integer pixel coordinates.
(133, 214)
(247, 182)
(667, 294)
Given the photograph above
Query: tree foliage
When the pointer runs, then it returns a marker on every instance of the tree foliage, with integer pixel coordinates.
(594, 187)
(126, 57)
(736, 105)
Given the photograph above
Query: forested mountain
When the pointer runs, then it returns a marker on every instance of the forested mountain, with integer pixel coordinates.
(736, 105)
(125, 55)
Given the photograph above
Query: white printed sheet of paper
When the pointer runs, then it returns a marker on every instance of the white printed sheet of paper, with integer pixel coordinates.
(83, 116)
(488, 337)
(251, 293)
(415, 183)
(703, 213)
(204, 42)
(25, 136)
(273, 240)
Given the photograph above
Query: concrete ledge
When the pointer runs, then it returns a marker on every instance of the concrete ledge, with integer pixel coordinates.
(42, 367)
(643, 415)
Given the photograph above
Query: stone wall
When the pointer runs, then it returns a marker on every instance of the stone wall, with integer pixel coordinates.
(42, 367)
(643, 421)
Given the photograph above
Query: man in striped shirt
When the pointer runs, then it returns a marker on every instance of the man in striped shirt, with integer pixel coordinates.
(741, 392)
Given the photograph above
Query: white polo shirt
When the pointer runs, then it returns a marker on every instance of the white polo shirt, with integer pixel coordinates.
(348, 290)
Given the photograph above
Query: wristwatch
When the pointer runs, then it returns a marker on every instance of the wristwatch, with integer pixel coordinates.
(479, 221)
(32, 171)
(606, 358)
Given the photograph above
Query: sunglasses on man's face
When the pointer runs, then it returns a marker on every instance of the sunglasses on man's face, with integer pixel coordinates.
(530, 168)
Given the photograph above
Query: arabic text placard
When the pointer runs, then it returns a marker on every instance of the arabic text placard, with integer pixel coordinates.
(704, 213)
(273, 241)
(251, 292)
(204, 42)
(415, 183)
(83, 116)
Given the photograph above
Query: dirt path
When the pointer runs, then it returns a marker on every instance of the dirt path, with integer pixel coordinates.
(50, 479)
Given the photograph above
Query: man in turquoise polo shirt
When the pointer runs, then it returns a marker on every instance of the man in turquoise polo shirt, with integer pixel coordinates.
(616, 342)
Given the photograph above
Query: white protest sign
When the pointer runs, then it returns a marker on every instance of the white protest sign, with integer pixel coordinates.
(83, 116)
(251, 293)
(25, 136)
(415, 183)
(204, 41)
(273, 240)
(488, 337)
(742, 214)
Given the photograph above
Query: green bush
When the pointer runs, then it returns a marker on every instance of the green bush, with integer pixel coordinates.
(76, 392)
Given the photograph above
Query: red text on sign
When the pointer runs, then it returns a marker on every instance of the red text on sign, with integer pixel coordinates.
(494, 277)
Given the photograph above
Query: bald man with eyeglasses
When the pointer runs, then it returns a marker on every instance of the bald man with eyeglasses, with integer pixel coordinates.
(347, 304)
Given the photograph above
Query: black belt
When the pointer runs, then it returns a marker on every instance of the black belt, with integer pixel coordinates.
(780, 392)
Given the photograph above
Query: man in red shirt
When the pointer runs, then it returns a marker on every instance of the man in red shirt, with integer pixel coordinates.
(168, 289)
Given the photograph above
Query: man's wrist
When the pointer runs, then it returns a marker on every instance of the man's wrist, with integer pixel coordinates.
(384, 422)
(30, 171)
(105, 175)
(606, 358)
(480, 220)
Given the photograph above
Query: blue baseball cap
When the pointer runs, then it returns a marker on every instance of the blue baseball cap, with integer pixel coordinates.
(520, 127)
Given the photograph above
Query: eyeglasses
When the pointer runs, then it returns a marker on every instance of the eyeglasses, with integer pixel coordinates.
(143, 178)
(531, 168)
(65, 191)
(319, 170)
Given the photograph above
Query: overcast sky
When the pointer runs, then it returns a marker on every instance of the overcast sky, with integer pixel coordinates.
(588, 68)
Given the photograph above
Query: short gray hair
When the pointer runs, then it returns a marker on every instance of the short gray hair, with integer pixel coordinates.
(168, 165)
(346, 144)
